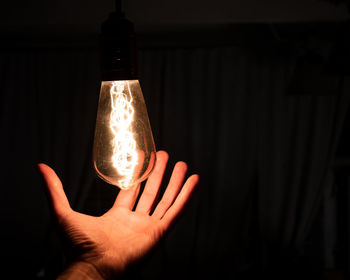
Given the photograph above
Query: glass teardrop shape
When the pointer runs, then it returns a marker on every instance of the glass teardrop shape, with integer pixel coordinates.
(124, 152)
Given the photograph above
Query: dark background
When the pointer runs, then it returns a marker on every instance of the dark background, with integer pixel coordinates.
(254, 95)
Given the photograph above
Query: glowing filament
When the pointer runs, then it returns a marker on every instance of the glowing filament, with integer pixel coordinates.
(124, 156)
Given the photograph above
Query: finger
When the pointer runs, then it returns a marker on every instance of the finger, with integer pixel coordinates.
(127, 198)
(153, 183)
(180, 201)
(174, 186)
(55, 191)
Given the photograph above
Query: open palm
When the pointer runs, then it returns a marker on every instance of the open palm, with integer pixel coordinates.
(123, 234)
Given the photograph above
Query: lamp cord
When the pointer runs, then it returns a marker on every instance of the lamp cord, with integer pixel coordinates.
(118, 6)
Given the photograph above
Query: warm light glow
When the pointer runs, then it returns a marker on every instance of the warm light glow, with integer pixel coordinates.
(124, 152)
(124, 155)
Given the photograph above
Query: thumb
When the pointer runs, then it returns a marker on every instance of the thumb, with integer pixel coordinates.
(57, 196)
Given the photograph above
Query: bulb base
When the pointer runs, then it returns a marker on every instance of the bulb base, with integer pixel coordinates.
(118, 51)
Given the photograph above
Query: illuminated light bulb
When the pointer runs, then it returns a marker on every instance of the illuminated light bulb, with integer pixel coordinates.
(124, 151)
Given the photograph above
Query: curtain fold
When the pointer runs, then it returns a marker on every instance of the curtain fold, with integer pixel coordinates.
(296, 151)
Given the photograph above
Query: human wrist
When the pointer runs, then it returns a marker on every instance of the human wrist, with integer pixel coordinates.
(81, 270)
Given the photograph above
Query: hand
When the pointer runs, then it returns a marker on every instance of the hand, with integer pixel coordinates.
(104, 246)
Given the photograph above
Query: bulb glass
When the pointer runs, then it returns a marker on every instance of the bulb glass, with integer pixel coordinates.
(124, 152)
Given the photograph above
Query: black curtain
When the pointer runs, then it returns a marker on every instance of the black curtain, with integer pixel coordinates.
(263, 153)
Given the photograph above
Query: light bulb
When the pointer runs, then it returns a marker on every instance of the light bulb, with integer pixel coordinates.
(124, 152)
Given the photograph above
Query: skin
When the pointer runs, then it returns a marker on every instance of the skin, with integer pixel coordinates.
(103, 247)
